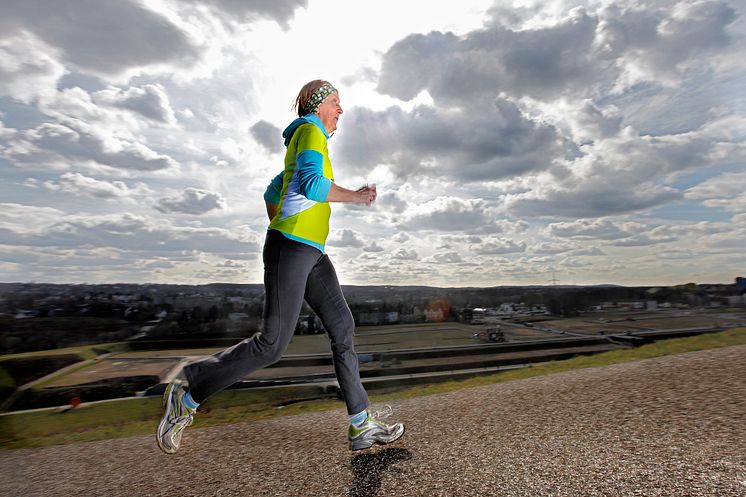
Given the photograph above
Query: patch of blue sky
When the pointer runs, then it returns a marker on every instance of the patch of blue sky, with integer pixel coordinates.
(17, 115)
(691, 211)
(657, 111)
(687, 181)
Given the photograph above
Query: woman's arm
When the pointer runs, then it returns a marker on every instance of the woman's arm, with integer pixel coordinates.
(365, 195)
(271, 210)
(272, 195)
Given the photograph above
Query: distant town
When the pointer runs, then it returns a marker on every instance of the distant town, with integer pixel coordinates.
(37, 316)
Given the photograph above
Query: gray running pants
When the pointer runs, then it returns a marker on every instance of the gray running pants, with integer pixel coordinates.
(292, 271)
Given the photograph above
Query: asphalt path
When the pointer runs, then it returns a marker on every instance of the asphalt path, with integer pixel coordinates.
(671, 426)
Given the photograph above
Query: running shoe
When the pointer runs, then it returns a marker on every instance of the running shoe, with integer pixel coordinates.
(176, 418)
(374, 431)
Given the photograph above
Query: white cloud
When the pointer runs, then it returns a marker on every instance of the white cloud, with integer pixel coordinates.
(78, 184)
(499, 246)
(447, 214)
(402, 254)
(346, 238)
(604, 140)
(194, 201)
(401, 237)
(579, 52)
(232, 11)
(727, 191)
(447, 257)
(373, 247)
(60, 147)
(45, 227)
(590, 229)
(27, 68)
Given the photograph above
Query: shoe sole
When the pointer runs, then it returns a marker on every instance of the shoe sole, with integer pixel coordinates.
(164, 420)
(362, 445)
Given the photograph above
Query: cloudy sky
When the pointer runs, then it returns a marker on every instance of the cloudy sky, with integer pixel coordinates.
(590, 141)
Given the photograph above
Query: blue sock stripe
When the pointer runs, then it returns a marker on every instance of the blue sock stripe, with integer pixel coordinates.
(359, 418)
(189, 401)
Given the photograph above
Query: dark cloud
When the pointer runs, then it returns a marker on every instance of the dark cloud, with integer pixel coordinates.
(268, 135)
(595, 122)
(101, 37)
(575, 57)
(589, 201)
(467, 70)
(150, 101)
(497, 142)
(346, 238)
(192, 201)
(60, 146)
(665, 37)
(447, 214)
(414, 63)
(391, 201)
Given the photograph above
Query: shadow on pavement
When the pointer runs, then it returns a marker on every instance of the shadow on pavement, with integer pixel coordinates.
(369, 468)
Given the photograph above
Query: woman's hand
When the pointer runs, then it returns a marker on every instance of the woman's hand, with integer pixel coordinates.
(367, 194)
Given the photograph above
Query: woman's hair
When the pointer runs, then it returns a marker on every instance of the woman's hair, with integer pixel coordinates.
(301, 101)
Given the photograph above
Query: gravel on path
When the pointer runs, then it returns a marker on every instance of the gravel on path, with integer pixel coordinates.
(671, 426)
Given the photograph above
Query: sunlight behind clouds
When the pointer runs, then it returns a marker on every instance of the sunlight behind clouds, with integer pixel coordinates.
(600, 140)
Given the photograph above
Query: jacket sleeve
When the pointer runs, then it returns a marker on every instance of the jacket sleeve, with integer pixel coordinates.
(274, 190)
(309, 163)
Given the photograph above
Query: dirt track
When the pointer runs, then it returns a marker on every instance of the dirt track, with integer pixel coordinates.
(668, 426)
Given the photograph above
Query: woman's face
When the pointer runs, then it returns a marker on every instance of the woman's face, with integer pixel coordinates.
(329, 112)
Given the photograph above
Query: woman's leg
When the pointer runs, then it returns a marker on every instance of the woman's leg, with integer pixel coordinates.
(324, 296)
(287, 264)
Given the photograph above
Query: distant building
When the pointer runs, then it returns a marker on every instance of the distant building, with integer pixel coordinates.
(378, 317)
(740, 282)
(473, 315)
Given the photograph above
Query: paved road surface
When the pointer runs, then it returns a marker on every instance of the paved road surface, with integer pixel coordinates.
(673, 426)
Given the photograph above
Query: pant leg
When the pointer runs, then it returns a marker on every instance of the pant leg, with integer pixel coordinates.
(324, 296)
(287, 264)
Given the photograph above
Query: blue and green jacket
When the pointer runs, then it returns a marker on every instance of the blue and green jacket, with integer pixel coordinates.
(300, 191)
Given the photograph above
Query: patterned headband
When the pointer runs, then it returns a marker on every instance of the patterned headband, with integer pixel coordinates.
(318, 97)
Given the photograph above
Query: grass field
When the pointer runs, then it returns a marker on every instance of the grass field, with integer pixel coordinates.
(139, 416)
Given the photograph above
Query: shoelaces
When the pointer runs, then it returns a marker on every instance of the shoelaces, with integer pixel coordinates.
(383, 413)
